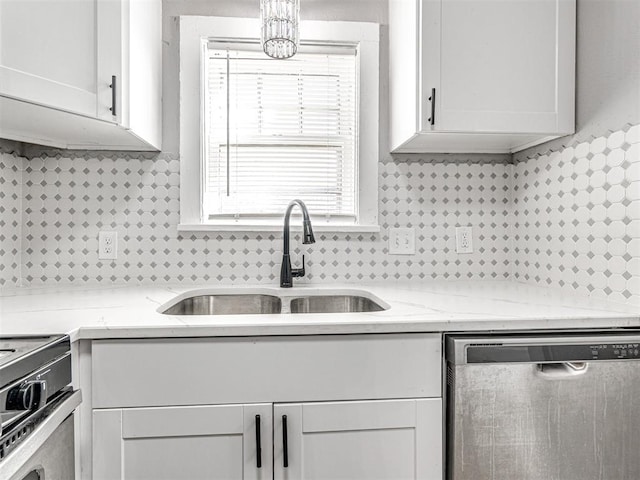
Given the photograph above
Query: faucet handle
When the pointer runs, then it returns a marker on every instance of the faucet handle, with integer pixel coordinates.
(298, 272)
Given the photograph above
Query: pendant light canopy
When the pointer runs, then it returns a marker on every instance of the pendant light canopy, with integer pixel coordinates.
(280, 27)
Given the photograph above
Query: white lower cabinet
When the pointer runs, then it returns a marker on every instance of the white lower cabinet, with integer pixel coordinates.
(388, 439)
(213, 442)
(357, 407)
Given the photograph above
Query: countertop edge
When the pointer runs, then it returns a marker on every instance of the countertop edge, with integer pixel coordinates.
(371, 327)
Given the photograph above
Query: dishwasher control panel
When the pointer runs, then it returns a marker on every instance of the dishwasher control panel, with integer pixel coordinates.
(505, 353)
(463, 349)
(616, 351)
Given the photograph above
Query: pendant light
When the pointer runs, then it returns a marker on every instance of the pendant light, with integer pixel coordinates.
(280, 22)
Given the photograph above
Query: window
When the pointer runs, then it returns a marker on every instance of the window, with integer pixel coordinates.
(278, 130)
(268, 131)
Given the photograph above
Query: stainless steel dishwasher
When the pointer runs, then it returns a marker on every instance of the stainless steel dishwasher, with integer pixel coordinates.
(543, 407)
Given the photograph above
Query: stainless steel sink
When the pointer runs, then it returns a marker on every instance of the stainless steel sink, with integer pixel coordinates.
(240, 304)
(334, 304)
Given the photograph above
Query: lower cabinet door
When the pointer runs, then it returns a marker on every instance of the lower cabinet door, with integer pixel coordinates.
(183, 443)
(372, 440)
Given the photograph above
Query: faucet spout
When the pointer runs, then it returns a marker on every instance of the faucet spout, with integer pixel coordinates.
(286, 272)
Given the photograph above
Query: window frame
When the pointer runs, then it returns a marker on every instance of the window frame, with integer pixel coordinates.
(195, 34)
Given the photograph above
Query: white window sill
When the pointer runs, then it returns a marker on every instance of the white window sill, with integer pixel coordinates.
(256, 227)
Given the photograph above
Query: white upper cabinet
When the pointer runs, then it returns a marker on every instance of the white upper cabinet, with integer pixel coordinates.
(480, 75)
(81, 73)
(47, 53)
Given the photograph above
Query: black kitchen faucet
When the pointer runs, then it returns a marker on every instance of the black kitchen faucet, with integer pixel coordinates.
(286, 272)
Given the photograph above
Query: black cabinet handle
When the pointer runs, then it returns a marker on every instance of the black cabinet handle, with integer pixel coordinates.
(432, 99)
(258, 445)
(285, 443)
(113, 95)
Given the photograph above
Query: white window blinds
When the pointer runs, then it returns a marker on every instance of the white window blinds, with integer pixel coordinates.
(279, 130)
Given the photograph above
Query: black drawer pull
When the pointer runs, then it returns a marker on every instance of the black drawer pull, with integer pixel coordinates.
(113, 95)
(432, 99)
(285, 443)
(258, 445)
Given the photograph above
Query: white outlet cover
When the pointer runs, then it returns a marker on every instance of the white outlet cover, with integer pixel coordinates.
(464, 239)
(402, 241)
(107, 245)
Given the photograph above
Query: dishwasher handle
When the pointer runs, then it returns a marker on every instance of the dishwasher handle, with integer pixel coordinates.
(561, 370)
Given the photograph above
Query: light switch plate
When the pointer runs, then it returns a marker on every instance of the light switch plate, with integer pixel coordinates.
(107, 245)
(402, 241)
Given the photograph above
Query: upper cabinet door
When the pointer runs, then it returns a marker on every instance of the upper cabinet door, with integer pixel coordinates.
(48, 53)
(111, 61)
(504, 66)
(480, 75)
(82, 73)
(129, 66)
(385, 440)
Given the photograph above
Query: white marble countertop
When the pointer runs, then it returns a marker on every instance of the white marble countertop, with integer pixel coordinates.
(435, 306)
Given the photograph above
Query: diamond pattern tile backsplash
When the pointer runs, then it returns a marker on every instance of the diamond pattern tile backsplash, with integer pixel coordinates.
(577, 217)
(10, 218)
(566, 219)
(68, 200)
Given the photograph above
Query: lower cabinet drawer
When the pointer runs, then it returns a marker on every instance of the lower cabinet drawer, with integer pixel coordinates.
(196, 371)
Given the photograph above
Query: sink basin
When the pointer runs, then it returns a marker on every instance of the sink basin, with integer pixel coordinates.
(254, 303)
(241, 304)
(334, 304)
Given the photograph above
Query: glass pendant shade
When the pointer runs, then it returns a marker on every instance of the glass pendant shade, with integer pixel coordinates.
(280, 22)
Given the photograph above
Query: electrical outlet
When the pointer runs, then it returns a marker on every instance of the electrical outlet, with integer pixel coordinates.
(402, 241)
(464, 240)
(107, 245)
